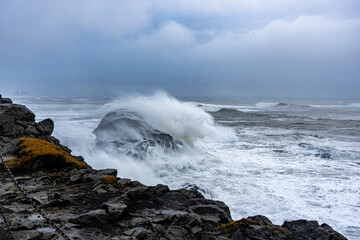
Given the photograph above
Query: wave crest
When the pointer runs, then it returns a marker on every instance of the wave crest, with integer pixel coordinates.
(184, 121)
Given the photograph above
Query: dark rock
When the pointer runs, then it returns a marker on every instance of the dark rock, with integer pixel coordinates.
(127, 132)
(303, 229)
(237, 235)
(6, 101)
(46, 127)
(325, 155)
(161, 189)
(4, 234)
(31, 131)
(107, 172)
(91, 218)
(18, 112)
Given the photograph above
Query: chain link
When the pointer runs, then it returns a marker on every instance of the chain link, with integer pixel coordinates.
(35, 205)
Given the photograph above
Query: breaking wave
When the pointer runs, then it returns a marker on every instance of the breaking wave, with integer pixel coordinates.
(185, 122)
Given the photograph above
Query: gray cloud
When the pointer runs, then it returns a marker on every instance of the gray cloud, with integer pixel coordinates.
(238, 48)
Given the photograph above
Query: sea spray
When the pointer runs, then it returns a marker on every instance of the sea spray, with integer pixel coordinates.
(183, 121)
(266, 170)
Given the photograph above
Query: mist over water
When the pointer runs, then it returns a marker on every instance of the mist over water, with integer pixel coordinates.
(286, 160)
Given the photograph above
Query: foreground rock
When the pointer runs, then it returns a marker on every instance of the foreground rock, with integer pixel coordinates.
(96, 204)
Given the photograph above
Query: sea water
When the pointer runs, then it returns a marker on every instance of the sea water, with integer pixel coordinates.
(286, 159)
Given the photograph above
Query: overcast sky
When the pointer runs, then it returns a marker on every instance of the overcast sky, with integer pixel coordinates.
(237, 48)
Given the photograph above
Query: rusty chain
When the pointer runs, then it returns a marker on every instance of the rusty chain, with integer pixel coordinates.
(35, 205)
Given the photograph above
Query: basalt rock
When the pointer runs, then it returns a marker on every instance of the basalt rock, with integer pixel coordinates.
(96, 204)
(6, 101)
(18, 121)
(46, 127)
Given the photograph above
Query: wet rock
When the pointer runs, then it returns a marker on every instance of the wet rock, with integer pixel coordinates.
(237, 235)
(128, 133)
(6, 101)
(114, 209)
(303, 229)
(92, 218)
(18, 112)
(31, 131)
(46, 127)
(325, 155)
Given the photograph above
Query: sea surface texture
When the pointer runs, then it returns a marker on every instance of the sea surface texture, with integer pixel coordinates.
(283, 159)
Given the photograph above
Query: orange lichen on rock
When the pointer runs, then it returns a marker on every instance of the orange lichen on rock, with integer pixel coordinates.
(233, 225)
(37, 153)
(109, 179)
(278, 230)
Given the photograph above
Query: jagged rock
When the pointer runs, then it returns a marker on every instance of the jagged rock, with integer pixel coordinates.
(46, 127)
(6, 101)
(19, 112)
(303, 229)
(256, 227)
(92, 218)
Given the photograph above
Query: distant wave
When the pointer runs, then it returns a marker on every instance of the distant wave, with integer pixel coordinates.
(279, 105)
(216, 107)
(230, 112)
(351, 105)
(265, 104)
(355, 105)
(282, 105)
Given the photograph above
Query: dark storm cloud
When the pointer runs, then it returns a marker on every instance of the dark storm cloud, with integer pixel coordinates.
(237, 48)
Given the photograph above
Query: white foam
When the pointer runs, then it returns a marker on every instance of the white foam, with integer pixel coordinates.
(351, 105)
(355, 105)
(183, 121)
(265, 104)
(265, 171)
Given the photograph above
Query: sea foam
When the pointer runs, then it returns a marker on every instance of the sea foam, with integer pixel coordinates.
(183, 121)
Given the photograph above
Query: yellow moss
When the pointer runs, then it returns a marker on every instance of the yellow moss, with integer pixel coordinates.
(109, 179)
(33, 149)
(233, 225)
(230, 225)
(277, 230)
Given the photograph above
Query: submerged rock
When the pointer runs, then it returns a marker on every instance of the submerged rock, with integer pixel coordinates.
(96, 204)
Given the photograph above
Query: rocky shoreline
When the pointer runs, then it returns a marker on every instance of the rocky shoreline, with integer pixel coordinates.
(96, 204)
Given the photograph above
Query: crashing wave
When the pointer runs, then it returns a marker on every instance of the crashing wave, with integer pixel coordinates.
(128, 133)
(184, 121)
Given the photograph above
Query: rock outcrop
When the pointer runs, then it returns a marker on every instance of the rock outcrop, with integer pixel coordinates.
(127, 132)
(96, 204)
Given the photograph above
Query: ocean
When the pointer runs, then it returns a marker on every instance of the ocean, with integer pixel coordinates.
(287, 159)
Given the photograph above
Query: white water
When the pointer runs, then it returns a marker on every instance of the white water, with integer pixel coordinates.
(184, 121)
(254, 169)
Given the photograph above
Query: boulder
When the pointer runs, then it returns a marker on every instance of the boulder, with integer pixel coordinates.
(303, 229)
(46, 127)
(18, 112)
(6, 101)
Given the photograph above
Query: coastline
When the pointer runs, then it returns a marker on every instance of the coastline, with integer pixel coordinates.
(95, 204)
